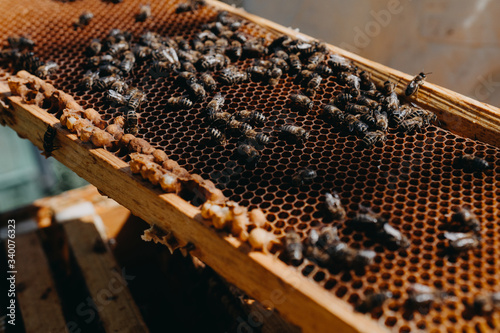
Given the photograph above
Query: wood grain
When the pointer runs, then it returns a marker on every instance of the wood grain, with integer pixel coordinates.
(36, 292)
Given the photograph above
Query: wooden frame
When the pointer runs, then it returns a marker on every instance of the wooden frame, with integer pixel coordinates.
(262, 276)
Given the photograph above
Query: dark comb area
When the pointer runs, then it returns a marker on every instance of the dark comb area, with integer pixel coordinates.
(409, 180)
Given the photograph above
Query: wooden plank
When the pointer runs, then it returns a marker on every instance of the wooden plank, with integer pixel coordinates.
(299, 300)
(103, 278)
(36, 292)
(457, 113)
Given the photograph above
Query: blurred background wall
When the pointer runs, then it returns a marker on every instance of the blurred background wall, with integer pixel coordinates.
(457, 40)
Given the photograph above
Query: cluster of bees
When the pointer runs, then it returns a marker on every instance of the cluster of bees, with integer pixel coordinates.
(22, 58)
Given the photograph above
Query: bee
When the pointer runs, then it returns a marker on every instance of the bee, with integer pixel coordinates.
(239, 127)
(116, 98)
(215, 105)
(334, 206)
(415, 84)
(250, 155)
(366, 82)
(254, 117)
(131, 122)
(373, 301)
(323, 69)
(334, 113)
(314, 60)
(355, 125)
(217, 136)
(301, 102)
(273, 75)
(84, 19)
(351, 80)
(421, 297)
(94, 47)
(471, 163)
(357, 109)
(144, 13)
(88, 80)
(280, 63)
(381, 120)
(45, 70)
(223, 118)
(389, 87)
(367, 220)
(20, 42)
(254, 47)
(179, 102)
(412, 124)
(108, 69)
(128, 61)
(235, 50)
(368, 118)
(186, 78)
(104, 59)
(427, 116)
(295, 63)
(459, 241)
(400, 114)
(257, 72)
(326, 238)
(296, 132)
(259, 138)
(339, 63)
(48, 140)
(135, 99)
(117, 48)
(191, 56)
(105, 82)
(141, 51)
(390, 234)
(315, 81)
(221, 44)
(278, 44)
(486, 304)
(467, 219)
(208, 82)
(196, 91)
(119, 86)
(342, 100)
(372, 138)
(304, 177)
(212, 62)
(293, 248)
(361, 258)
(363, 100)
(232, 76)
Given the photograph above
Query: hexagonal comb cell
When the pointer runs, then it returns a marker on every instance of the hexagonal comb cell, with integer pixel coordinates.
(410, 180)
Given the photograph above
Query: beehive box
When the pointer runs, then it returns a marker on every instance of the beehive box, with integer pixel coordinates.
(410, 179)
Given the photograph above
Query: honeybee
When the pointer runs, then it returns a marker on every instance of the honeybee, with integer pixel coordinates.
(223, 118)
(104, 59)
(135, 99)
(373, 301)
(314, 60)
(89, 78)
(196, 91)
(367, 220)
(339, 63)
(105, 82)
(115, 97)
(84, 19)
(372, 138)
(188, 67)
(254, 47)
(357, 109)
(363, 100)
(45, 70)
(144, 13)
(232, 76)
(471, 163)
(273, 75)
(351, 81)
(298, 133)
(366, 82)
(326, 237)
(411, 124)
(361, 259)
(427, 116)
(235, 50)
(392, 235)
(186, 78)
(334, 113)
(304, 177)
(180, 102)
(248, 153)
(131, 122)
(213, 62)
(118, 48)
(280, 62)
(215, 104)
(415, 83)
(459, 241)
(221, 44)
(467, 218)
(355, 125)
(391, 102)
(295, 63)
(400, 114)
(238, 126)
(94, 47)
(208, 81)
(486, 304)
(323, 69)
(254, 117)
(108, 69)
(421, 297)
(301, 102)
(315, 82)
(257, 72)
(293, 248)
(48, 140)
(141, 51)
(259, 138)
(342, 100)
(217, 136)
(334, 206)
(119, 86)
(20, 42)
(128, 61)
(368, 118)
(381, 120)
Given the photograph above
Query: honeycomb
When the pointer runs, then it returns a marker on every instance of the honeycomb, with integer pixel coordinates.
(409, 180)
